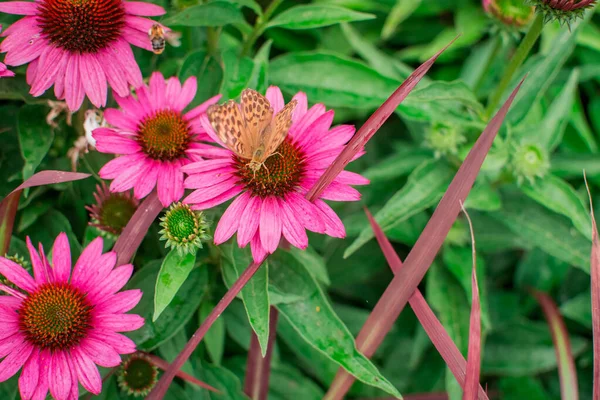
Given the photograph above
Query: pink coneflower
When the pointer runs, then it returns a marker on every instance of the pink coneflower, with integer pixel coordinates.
(78, 46)
(154, 137)
(4, 72)
(271, 200)
(61, 323)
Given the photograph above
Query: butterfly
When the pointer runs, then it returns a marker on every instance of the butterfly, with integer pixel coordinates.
(249, 129)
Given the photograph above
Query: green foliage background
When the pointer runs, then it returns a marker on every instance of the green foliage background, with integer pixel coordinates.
(350, 55)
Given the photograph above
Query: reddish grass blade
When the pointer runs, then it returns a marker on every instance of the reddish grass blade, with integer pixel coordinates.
(417, 263)
(433, 327)
(137, 227)
(163, 384)
(595, 287)
(258, 369)
(375, 121)
(357, 142)
(162, 364)
(562, 345)
(8, 206)
(474, 357)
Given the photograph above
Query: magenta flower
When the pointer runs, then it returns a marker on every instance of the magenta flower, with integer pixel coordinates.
(61, 323)
(154, 137)
(4, 72)
(271, 201)
(78, 46)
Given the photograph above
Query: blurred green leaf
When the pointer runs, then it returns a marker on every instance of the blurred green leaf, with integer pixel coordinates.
(424, 188)
(208, 72)
(35, 137)
(215, 13)
(173, 272)
(215, 337)
(522, 388)
(483, 197)
(237, 73)
(312, 16)
(560, 197)
(254, 295)
(287, 383)
(317, 323)
(541, 271)
(182, 308)
(399, 164)
(579, 308)
(221, 379)
(401, 11)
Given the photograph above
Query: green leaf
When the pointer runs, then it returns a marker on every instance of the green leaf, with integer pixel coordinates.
(182, 308)
(424, 188)
(255, 294)
(536, 226)
(259, 79)
(541, 271)
(237, 73)
(579, 309)
(216, 13)
(206, 70)
(221, 379)
(287, 382)
(312, 16)
(400, 12)
(522, 388)
(560, 197)
(572, 165)
(9, 388)
(173, 272)
(400, 164)
(215, 337)
(48, 227)
(314, 319)
(324, 78)
(313, 262)
(483, 197)
(35, 137)
(251, 4)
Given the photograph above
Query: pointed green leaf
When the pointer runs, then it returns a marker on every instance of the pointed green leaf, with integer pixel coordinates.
(215, 13)
(35, 137)
(173, 272)
(215, 337)
(312, 16)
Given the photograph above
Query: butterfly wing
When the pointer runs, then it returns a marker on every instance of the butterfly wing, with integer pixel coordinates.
(228, 122)
(279, 129)
(258, 114)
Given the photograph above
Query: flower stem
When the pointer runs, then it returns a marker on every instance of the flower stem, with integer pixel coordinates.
(518, 58)
(496, 46)
(163, 384)
(258, 369)
(212, 40)
(259, 27)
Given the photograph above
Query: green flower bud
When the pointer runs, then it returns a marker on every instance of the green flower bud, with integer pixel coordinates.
(512, 13)
(183, 228)
(564, 11)
(528, 162)
(444, 139)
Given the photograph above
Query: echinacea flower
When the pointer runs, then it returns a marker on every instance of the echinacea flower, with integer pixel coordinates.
(564, 11)
(271, 201)
(112, 211)
(62, 322)
(154, 138)
(78, 46)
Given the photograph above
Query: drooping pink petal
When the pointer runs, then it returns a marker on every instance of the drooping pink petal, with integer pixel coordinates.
(143, 9)
(17, 275)
(8, 329)
(113, 72)
(59, 376)
(128, 178)
(230, 221)
(61, 259)
(147, 182)
(115, 167)
(120, 322)
(258, 252)
(204, 194)
(270, 224)
(137, 38)
(123, 55)
(317, 129)
(338, 192)
(205, 166)
(40, 271)
(275, 98)
(74, 92)
(170, 183)
(120, 120)
(120, 343)
(249, 221)
(95, 277)
(306, 212)
(292, 229)
(30, 375)
(8, 344)
(32, 71)
(51, 60)
(223, 197)
(15, 360)
(19, 7)
(94, 83)
(41, 390)
(333, 225)
(87, 372)
(208, 179)
(100, 353)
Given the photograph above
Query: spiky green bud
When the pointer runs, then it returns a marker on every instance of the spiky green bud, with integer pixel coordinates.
(444, 139)
(563, 11)
(183, 228)
(529, 161)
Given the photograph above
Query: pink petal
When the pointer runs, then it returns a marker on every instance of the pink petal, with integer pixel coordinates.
(19, 7)
(8, 344)
(86, 262)
(173, 90)
(301, 106)
(228, 195)
(113, 72)
(204, 194)
(337, 137)
(17, 275)
(120, 120)
(28, 52)
(142, 8)
(137, 38)
(316, 130)
(59, 376)
(351, 178)
(115, 167)
(120, 322)
(61, 259)
(201, 109)
(275, 98)
(87, 372)
(15, 360)
(249, 221)
(74, 93)
(123, 55)
(340, 192)
(110, 141)
(95, 80)
(128, 178)
(95, 277)
(74, 392)
(31, 71)
(41, 391)
(147, 182)
(208, 179)
(306, 212)
(258, 252)
(209, 129)
(188, 92)
(298, 129)
(205, 166)
(120, 302)
(8, 329)
(170, 183)
(30, 375)
(230, 220)
(333, 224)
(292, 229)
(270, 224)
(51, 60)
(120, 343)
(114, 282)
(100, 353)
(142, 24)
(59, 83)
(208, 150)
(157, 83)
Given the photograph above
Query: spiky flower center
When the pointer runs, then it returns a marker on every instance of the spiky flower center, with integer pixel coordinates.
(280, 174)
(181, 223)
(138, 376)
(56, 316)
(81, 26)
(115, 212)
(164, 135)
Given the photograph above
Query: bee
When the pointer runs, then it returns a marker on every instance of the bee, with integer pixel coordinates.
(157, 37)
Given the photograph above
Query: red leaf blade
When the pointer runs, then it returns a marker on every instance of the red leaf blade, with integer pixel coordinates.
(162, 364)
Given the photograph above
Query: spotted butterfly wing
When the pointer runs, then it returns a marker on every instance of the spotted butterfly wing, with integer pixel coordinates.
(258, 114)
(228, 122)
(279, 129)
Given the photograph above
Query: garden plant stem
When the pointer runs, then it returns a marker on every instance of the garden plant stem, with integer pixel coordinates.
(259, 28)
(520, 55)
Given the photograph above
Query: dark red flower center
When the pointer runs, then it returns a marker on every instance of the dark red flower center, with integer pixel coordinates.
(280, 174)
(55, 317)
(81, 26)
(164, 135)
